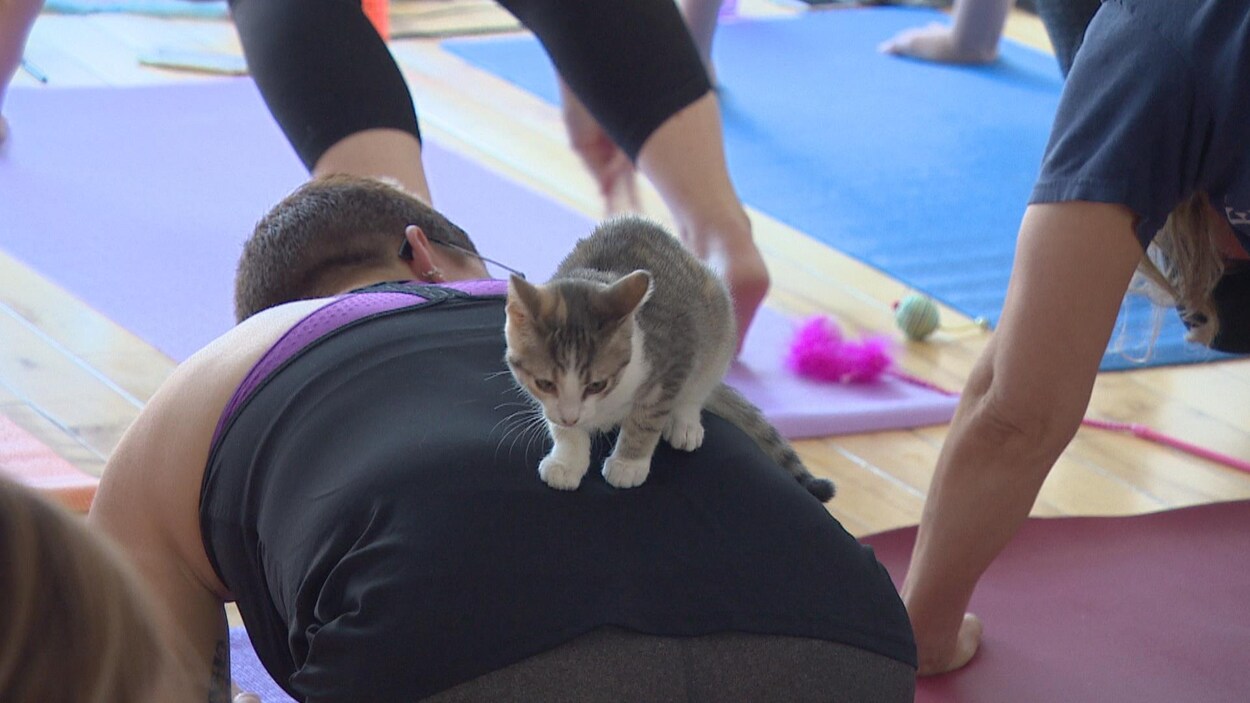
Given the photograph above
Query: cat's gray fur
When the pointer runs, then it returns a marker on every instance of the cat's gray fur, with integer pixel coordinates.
(631, 331)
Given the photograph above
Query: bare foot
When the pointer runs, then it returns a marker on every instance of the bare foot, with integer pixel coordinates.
(966, 644)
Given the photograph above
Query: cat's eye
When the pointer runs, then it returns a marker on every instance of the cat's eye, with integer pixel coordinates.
(596, 387)
(544, 385)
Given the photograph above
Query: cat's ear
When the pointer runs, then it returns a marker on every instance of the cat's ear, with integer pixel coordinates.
(627, 294)
(523, 299)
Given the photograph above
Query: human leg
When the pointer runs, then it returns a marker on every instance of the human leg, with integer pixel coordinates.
(333, 87)
(637, 71)
(16, 19)
(701, 18)
(685, 159)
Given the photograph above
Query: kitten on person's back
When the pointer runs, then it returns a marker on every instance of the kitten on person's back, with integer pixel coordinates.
(634, 332)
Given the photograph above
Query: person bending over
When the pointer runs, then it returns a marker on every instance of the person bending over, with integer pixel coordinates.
(345, 466)
(338, 95)
(1146, 170)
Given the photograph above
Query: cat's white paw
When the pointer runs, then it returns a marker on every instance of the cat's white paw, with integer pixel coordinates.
(559, 472)
(626, 473)
(684, 433)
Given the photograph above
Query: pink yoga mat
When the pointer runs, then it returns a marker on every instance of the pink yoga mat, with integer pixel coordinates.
(1146, 609)
(138, 200)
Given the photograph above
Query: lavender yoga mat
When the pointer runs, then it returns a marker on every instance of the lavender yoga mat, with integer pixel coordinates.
(138, 200)
(1146, 609)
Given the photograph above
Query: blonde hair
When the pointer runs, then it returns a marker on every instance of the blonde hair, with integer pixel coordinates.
(77, 628)
(1183, 265)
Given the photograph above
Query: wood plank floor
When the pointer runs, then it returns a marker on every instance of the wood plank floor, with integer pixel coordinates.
(76, 380)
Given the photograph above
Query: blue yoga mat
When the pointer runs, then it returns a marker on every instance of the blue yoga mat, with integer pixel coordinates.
(199, 9)
(917, 169)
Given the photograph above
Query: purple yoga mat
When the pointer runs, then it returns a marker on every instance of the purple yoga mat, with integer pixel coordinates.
(138, 200)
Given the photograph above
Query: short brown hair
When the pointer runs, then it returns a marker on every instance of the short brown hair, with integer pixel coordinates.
(325, 230)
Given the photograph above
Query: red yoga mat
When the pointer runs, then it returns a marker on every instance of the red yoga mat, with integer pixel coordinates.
(1150, 608)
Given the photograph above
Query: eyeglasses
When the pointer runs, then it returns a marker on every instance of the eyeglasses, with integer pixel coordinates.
(405, 253)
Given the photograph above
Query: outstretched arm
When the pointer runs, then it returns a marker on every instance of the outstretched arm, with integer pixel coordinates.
(1022, 405)
(972, 36)
(147, 504)
(148, 501)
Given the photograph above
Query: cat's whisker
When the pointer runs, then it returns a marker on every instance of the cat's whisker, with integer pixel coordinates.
(520, 425)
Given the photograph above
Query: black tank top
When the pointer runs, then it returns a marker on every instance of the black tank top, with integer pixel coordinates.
(373, 503)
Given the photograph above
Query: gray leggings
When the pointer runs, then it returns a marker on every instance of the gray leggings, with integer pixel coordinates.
(612, 664)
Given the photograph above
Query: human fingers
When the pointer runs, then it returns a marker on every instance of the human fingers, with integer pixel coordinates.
(933, 42)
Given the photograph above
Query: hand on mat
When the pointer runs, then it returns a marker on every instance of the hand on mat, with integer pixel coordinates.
(936, 42)
(941, 660)
(611, 168)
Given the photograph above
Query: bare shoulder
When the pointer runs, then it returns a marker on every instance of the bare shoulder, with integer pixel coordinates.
(148, 499)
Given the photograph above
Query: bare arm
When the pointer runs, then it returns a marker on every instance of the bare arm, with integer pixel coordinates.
(1023, 403)
(146, 485)
(148, 500)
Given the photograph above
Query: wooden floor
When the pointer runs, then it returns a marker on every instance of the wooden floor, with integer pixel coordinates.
(76, 380)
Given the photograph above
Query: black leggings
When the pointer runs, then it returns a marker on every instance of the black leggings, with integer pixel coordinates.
(326, 74)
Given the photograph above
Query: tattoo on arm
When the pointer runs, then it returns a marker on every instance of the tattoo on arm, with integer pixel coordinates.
(219, 681)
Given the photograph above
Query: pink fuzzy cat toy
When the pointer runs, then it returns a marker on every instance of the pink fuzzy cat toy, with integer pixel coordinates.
(819, 351)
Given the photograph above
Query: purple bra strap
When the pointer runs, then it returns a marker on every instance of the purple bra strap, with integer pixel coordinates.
(325, 319)
(329, 317)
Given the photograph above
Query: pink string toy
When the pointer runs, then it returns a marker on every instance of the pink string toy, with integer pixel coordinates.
(1140, 431)
(818, 351)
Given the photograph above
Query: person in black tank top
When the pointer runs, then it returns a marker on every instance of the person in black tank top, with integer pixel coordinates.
(343, 468)
(395, 540)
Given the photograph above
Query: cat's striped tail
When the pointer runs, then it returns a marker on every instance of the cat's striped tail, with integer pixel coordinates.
(731, 405)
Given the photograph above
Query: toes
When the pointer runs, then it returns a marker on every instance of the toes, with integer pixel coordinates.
(626, 473)
(683, 434)
(561, 474)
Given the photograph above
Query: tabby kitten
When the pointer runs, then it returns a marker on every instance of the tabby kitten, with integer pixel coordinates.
(631, 331)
